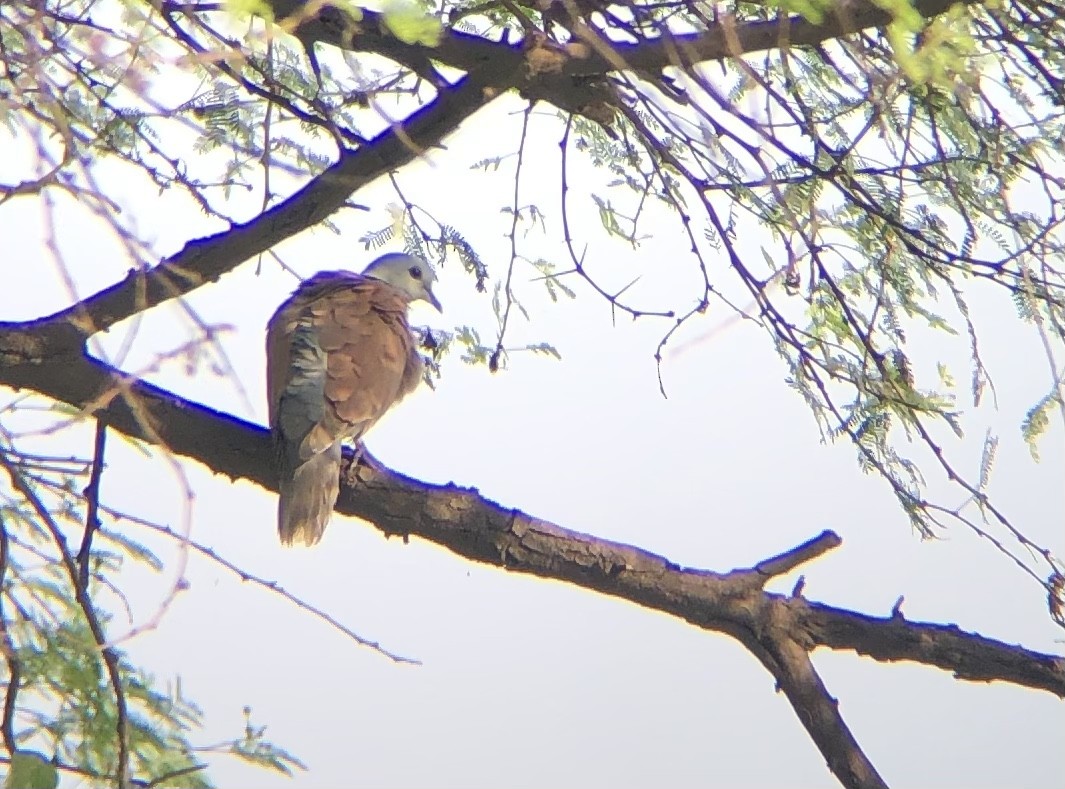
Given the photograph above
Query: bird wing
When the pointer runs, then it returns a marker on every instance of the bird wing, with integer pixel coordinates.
(339, 355)
(364, 332)
(414, 370)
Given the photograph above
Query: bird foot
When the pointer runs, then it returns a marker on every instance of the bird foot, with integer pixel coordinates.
(364, 458)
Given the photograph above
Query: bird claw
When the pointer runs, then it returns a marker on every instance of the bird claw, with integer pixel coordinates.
(362, 458)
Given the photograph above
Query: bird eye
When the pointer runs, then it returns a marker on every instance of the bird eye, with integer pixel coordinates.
(415, 271)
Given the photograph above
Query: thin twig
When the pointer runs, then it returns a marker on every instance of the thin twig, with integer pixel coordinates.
(92, 499)
(271, 586)
(192, 768)
(110, 658)
(493, 361)
(14, 668)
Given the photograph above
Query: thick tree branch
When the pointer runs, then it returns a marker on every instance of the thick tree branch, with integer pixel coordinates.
(731, 38)
(206, 259)
(492, 68)
(476, 528)
(949, 647)
(465, 51)
(818, 712)
(470, 52)
(781, 631)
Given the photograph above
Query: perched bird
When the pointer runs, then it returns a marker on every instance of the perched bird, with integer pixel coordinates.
(339, 354)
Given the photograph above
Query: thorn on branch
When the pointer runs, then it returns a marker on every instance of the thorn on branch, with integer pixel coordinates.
(896, 610)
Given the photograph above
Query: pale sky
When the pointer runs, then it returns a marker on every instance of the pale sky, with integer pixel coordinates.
(530, 683)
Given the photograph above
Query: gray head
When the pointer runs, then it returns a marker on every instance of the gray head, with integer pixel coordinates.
(406, 273)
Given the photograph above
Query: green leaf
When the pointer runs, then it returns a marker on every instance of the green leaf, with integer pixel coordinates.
(31, 770)
(245, 8)
(136, 550)
(812, 10)
(545, 349)
(1036, 422)
(411, 25)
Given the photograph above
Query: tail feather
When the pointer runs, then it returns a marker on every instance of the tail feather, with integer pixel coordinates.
(306, 500)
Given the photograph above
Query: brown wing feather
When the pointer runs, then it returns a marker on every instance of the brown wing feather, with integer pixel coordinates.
(283, 324)
(370, 356)
(412, 373)
(367, 357)
(278, 355)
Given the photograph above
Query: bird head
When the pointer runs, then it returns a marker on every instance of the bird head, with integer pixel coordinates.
(409, 274)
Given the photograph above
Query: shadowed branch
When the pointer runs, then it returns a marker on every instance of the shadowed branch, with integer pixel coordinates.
(780, 630)
(205, 260)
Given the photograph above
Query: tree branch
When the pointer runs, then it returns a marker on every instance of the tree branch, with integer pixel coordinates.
(492, 68)
(757, 576)
(206, 259)
(7, 646)
(330, 25)
(817, 711)
(81, 594)
(967, 655)
(730, 38)
(727, 38)
(476, 528)
(779, 630)
(92, 499)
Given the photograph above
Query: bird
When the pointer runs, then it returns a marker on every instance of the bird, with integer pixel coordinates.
(339, 355)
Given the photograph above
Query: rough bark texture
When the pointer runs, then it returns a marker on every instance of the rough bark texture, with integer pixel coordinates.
(781, 631)
(477, 528)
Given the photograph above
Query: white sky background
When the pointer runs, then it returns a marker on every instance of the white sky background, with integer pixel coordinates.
(529, 682)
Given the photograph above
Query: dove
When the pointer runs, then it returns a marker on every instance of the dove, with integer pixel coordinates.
(340, 354)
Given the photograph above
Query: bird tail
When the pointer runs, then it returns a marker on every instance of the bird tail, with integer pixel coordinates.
(307, 498)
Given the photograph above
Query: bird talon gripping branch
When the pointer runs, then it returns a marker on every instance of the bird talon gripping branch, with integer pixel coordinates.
(340, 353)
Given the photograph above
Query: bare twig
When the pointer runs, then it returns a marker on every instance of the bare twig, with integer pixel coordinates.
(92, 501)
(276, 588)
(578, 261)
(162, 779)
(7, 644)
(493, 362)
(800, 555)
(206, 259)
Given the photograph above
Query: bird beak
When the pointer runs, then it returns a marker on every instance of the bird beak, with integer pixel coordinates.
(431, 298)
